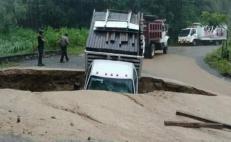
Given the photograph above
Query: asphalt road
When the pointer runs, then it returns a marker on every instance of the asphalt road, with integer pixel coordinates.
(75, 62)
(184, 63)
(78, 62)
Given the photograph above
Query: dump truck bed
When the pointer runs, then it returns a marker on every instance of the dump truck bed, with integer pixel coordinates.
(114, 40)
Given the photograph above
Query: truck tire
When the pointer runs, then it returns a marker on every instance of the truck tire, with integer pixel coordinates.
(149, 51)
(218, 42)
(194, 43)
(153, 49)
(165, 50)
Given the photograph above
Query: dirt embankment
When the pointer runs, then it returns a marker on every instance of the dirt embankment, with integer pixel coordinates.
(111, 117)
(40, 80)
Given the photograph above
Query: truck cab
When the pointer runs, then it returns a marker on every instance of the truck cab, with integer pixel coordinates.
(188, 36)
(115, 76)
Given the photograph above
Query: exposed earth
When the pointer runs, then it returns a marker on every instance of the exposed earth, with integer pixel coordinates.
(97, 116)
(109, 117)
(183, 64)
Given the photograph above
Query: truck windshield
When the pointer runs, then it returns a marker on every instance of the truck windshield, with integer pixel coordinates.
(184, 32)
(111, 84)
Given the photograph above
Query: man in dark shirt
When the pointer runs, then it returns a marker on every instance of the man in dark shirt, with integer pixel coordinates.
(41, 42)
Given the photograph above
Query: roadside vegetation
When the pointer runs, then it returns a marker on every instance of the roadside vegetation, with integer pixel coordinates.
(17, 41)
(219, 59)
(54, 15)
(22, 40)
(77, 39)
(218, 62)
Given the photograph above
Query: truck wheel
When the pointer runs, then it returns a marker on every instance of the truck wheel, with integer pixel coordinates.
(194, 43)
(149, 51)
(153, 48)
(165, 50)
(217, 43)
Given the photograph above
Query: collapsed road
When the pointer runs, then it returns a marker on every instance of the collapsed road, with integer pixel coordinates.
(42, 80)
(105, 116)
(184, 64)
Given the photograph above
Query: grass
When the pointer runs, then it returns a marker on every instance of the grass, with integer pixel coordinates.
(215, 61)
(77, 39)
(17, 41)
(76, 51)
(22, 41)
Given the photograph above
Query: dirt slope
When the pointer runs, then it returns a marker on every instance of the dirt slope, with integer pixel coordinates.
(57, 116)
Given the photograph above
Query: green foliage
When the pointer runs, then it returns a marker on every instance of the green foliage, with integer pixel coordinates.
(35, 14)
(215, 60)
(77, 37)
(21, 40)
(11, 12)
(214, 18)
(17, 41)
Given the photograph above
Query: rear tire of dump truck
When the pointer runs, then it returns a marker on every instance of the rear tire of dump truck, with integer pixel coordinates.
(150, 51)
(153, 49)
(165, 50)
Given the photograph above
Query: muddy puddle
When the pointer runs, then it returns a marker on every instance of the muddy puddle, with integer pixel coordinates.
(68, 80)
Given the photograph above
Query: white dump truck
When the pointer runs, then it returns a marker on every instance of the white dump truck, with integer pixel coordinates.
(113, 76)
(199, 34)
(114, 51)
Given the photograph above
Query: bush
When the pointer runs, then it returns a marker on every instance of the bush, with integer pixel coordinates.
(215, 60)
(77, 37)
(21, 40)
(17, 41)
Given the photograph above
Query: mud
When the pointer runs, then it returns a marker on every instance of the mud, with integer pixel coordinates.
(148, 84)
(41, 80)
(68, 80)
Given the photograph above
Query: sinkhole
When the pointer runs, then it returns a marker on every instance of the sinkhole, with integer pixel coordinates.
(43, 80)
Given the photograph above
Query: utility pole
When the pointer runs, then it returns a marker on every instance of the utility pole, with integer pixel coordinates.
(226, 54)
(227, 44)
(224, 48)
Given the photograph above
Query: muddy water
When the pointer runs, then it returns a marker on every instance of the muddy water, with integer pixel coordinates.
(67, 80)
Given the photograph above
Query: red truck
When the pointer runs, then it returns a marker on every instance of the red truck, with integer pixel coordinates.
(156, 36)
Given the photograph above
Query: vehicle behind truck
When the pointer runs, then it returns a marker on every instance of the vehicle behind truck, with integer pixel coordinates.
(203, 34)
(156, 35)
(114, 51)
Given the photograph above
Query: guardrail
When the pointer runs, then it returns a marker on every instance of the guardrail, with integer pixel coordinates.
(19, 57)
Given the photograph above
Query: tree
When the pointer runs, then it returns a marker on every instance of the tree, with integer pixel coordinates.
(214, 18)
(11, 12)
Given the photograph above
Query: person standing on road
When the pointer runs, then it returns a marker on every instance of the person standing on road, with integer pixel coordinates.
(41, 42)
(64, 42)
